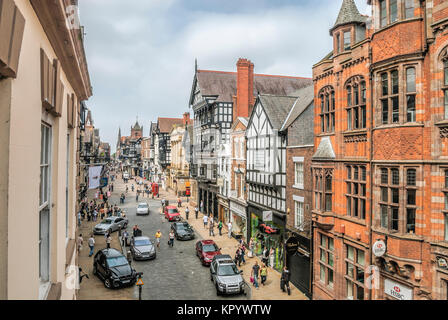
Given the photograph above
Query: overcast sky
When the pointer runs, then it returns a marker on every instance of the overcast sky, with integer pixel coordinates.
(141, 53)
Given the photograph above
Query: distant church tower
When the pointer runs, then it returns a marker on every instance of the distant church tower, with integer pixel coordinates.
(136, 131)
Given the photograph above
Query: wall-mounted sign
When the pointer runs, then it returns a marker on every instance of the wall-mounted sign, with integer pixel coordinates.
(397, 290)
(292, 245)
(267, 216)
(379, 248)
(442, 263)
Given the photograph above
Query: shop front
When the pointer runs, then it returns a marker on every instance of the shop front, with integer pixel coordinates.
(298, 260)
(223, 208)
(238, 217)
(267, 230)
(439, 254)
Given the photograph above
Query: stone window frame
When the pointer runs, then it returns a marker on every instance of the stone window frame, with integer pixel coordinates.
(361, 107)
(401, 12)
(299, 175)
(402, 94)
(356, 179)
(327, 114)
(321, 190)
(352, 279)
(299, 215)
(410, 207)
(403, 188)
(409, 94)
(326, 260)
(445, 207)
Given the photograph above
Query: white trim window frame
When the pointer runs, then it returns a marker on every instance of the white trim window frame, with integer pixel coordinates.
(299, 213)
(44, 203)
(299, 172)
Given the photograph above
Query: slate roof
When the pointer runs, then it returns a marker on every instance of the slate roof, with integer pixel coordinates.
(277, 108)
(166, 124)
(223, 84)
(305, 98)
(349, 13)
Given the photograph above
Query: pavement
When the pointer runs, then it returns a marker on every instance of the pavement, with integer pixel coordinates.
(93, 288)
(271, 289)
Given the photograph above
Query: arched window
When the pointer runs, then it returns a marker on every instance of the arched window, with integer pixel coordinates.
(356, 103)
(327, 109)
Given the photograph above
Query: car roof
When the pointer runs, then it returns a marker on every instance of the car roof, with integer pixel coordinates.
(208, 242)
(141, 238)
(143, 203)
(171, 207)
(222, 258)
(109, 253)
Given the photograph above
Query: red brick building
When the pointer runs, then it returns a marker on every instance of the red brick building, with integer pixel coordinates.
(380, 167)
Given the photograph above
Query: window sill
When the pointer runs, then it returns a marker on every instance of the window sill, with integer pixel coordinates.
(299, 187)
(399, 125)
(359, 221)
(326, 134)
(443, 123)
(355, 132)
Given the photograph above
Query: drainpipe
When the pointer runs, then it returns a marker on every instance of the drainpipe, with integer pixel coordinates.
(371, 83)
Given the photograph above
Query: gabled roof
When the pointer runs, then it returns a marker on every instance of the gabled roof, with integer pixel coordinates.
(243, 120)
(304, 100)
(223, 85)
(349, 13)
(166, 124)
(277, 108)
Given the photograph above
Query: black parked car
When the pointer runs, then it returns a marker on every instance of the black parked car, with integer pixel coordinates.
(113, 268)
(183, 231)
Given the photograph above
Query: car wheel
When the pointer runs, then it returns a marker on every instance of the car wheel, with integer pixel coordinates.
(94, 271)
(217, 291)
(107, 283)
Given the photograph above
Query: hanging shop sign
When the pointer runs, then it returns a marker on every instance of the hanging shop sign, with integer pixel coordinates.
(442, 263)
(379, 248)
(267, 216)
(292, 245)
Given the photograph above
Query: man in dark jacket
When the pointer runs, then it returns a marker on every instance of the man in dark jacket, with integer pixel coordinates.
(284, 281)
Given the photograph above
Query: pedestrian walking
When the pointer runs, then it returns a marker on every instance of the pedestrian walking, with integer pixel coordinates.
(229, 227)
(171, 240)
(187, 213)
(196, 212)
(212, 228)
(243, 253)
(265, 256)
(205, 220)
(179, 203)
(250, 254)
(263, 274)
(237, 259)
(79, 218)
(124, 238)
(158, 236)
(271, 257)
(127, 189)
(284, 281)
(136, 196)
(220, 228)
(79, 242)
(108, 240)
(91, 245)
(255, 272)
(202, 206)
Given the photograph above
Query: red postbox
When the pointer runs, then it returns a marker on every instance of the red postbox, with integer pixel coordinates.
(155, 189)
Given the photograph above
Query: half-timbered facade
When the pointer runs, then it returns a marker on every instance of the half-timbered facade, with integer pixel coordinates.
(266, 172)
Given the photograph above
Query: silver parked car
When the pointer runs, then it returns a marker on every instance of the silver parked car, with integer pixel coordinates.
(111, 224)
(226, 276)
(142, 248)
(143, 208)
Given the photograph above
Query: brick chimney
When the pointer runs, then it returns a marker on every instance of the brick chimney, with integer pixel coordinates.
(186, 118)
(244, 88)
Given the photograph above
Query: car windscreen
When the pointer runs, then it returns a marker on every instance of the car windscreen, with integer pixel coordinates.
(143, 206)
(107, 221)
(227, 270)
(184, 227)
(142, 242)
(116, 261)
(209, 248)
(173, 211)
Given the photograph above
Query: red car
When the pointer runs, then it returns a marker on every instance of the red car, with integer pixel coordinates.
(172, 214)
(206, 250)
(266, 228)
